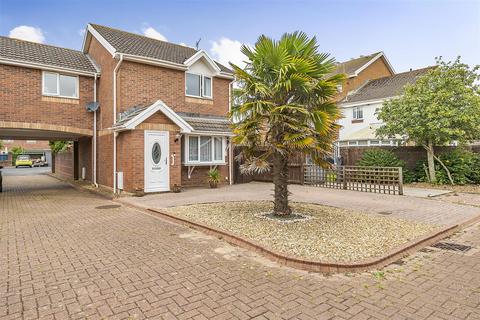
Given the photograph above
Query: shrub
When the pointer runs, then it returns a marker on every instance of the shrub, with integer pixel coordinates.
(384, 158)
(464, 166)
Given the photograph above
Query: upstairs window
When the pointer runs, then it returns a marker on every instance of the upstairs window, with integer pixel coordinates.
(357, 113)
(60, 85)
(198, 85)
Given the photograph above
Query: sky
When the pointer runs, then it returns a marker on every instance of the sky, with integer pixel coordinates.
(410, 33)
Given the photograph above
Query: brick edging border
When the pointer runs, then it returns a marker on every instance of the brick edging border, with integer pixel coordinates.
(316, 266)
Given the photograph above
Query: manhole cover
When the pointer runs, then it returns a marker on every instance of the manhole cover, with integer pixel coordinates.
(109, 206)
(452, 246)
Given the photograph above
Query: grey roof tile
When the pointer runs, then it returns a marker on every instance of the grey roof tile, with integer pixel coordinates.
(26, 51)
(349, 67)
(385, 87)
(209, 123)
(135, 44)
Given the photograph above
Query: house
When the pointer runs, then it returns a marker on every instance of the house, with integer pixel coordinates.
(143, 114)
(359, 70)
(359, 107)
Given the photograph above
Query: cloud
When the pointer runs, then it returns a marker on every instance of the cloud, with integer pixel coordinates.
(152, 33)
(226, 50)
(27, 33)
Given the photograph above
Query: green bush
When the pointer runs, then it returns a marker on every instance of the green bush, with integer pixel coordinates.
(377, 157)
(464, 166)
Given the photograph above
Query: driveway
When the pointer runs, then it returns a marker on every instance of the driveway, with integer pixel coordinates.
(66, 254)
(25, 171)
(406, 207)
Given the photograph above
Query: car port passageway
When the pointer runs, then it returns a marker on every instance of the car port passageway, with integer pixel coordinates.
(66, 254)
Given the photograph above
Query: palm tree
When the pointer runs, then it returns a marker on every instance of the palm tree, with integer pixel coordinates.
(284, 105)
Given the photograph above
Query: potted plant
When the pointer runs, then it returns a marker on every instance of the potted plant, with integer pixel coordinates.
(213, 177)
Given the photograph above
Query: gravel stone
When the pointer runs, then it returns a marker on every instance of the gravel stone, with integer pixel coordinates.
(331, 235)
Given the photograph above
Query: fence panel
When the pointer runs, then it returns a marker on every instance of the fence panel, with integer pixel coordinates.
(386, 180)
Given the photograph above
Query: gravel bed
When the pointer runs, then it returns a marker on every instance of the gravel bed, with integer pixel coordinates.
(331, 235)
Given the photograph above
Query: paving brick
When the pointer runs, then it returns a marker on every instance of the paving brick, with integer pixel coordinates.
(66, 259)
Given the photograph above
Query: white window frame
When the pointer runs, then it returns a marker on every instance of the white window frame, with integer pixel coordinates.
(58, 85)
(202, 79)
(186, 149)
(355, 111)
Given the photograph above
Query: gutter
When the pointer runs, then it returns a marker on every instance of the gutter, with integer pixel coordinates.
(115, 134)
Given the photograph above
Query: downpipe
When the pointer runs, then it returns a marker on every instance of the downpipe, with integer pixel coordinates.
(115, 134)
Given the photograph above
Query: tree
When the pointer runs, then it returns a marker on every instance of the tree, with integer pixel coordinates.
(441, 107)
(285, 106)
(16, 151)
(1, 144)
(56, 147)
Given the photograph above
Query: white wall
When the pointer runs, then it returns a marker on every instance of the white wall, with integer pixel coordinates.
(369, 118)
(201, 67)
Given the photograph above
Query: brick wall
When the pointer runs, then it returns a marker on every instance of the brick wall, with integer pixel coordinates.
(22, 100)
(411, 155)
(142, 84)
(85, 158)
(38, 145)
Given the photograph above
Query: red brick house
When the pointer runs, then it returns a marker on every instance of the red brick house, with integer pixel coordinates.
(160, 116)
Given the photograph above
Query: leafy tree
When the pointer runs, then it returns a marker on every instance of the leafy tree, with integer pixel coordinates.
(284, 107)
(440, 107)
(16, 151)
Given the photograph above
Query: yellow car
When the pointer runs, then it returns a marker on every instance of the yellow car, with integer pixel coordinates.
(23, 160)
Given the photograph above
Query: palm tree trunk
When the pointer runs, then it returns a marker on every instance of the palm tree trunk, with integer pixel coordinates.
(280, 180)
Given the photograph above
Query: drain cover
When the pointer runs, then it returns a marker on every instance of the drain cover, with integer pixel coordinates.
(452, 246)
(109, 206)
(385, 213)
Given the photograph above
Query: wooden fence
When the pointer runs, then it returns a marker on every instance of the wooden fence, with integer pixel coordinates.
(388, 180)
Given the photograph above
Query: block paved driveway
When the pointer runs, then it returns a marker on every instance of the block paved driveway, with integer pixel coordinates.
(64, 257)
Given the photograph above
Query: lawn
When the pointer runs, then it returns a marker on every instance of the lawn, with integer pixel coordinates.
(328, 235)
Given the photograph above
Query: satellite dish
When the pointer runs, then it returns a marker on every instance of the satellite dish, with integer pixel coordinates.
(92, 106)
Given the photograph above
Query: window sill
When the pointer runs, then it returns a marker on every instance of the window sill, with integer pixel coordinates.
(199, 164)
(357, 121)
(199, 98)
(60, 99)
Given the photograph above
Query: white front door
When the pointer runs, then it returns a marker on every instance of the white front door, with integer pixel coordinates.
(156, 161)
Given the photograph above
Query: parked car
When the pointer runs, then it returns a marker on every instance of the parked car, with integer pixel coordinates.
(39, 163)
(23, 160)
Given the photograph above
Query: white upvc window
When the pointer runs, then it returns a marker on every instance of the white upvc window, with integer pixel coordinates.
(59, 85)
(197, 85)
(204, 150)
(357, 113)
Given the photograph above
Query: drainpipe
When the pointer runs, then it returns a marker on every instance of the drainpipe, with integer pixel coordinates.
(115, 134)
(95, 133)
(230, 147)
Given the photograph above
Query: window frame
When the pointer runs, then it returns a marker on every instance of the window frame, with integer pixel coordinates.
(355, 111)
(57, 74)
(186, 150)
(202, 80)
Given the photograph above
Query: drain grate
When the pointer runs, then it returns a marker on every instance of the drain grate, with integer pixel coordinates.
(385, 213)
(452, 246)
(108, 206)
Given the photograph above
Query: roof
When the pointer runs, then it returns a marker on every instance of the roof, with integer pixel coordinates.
(353, 66)
(208, 123)
(138, 45)
(385, 87)
(364, 133)
(188, 122)
(36, 53)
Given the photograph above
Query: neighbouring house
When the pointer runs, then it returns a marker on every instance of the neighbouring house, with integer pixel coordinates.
(359, 107)
(359, 70)
(143, 114)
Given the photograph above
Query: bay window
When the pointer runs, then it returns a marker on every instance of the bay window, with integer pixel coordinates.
(60, 85)
(204, 149)
(198, 85)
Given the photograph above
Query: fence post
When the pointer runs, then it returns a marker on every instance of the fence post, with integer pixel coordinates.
(400, 181)
(344, 178)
